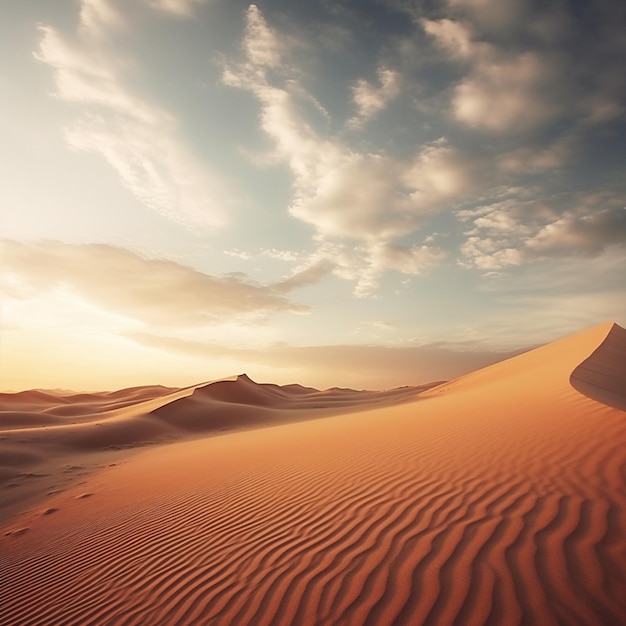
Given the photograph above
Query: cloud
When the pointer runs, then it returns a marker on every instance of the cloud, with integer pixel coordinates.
(97, 18)
(358, 201)
(503, 90)
(378, 367)
(137, 138)
(486, 254)
(516, 231)
(153, 291)
(308, 275)
(587, 234)
(542, 88)
(261, 47)
(281, 255)
(181, 8)
(370, 100)
(454, 37)
(526, 160)
(523, 67)
(506, 94)
(239, 254)
(493, 15)
(440, 174)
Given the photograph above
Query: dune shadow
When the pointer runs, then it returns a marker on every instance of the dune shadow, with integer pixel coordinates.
(602, 376)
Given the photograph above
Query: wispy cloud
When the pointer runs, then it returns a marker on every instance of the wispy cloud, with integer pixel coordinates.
(154, 291)
(379, 366)
(139, 139)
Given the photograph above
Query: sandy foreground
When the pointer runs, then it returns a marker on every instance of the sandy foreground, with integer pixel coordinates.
(496, 498)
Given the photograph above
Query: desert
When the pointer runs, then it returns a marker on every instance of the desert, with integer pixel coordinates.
(495, 498)
(313, 313)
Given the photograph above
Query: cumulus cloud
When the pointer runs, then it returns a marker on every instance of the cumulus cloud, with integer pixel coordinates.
(138, 139)
(441, 173)
(506, 94)
(503, 90)
(154, 291)
(525, 66)
(358, 201)
(541, 86)
(488, 254)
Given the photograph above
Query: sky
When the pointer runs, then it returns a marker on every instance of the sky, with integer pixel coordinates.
(367, 193)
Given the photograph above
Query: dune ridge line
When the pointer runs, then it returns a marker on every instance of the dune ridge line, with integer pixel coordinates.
(496, 498)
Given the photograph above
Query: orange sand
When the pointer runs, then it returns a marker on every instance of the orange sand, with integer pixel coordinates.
(497, 498)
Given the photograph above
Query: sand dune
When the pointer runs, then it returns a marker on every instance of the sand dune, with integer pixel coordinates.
(497, 498)
(69, 429)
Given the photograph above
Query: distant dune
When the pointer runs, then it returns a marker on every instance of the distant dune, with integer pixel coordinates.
(495, 498)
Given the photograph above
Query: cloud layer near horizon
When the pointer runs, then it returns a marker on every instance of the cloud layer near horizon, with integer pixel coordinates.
(436, 170)
(154, 291)
(374, 365)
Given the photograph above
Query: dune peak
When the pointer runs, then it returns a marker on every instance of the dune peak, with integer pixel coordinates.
(244, 378)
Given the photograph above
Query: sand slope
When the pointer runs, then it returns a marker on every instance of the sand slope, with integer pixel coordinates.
(48, 439)
(498, 498)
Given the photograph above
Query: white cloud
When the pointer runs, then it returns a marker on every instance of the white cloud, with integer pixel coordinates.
(487, 254)
(181, 8)
(281, 255)
(525, 67)
(587, 234)
(454, 37)
(99, 17)
(407, 259)
(358, 197)
(154, 291)
(370, 100)
(526, 160)
(359, 202)
(302, 277)
(440, 173)
(262, 48)
(506, 94)
(239, 254)
(138, 139)
(504, 89)
(496, 15)
(517, 231)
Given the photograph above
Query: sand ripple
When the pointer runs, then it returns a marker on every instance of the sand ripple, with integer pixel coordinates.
(502, 502)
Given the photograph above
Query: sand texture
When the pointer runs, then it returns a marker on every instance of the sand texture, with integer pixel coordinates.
(497, 498)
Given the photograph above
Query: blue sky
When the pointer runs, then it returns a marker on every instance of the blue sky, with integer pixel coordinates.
(355, 193)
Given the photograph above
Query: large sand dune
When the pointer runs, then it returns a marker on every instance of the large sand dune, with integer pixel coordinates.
(496, 498)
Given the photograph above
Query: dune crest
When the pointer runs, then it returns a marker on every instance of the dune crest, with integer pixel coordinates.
(498, 498)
